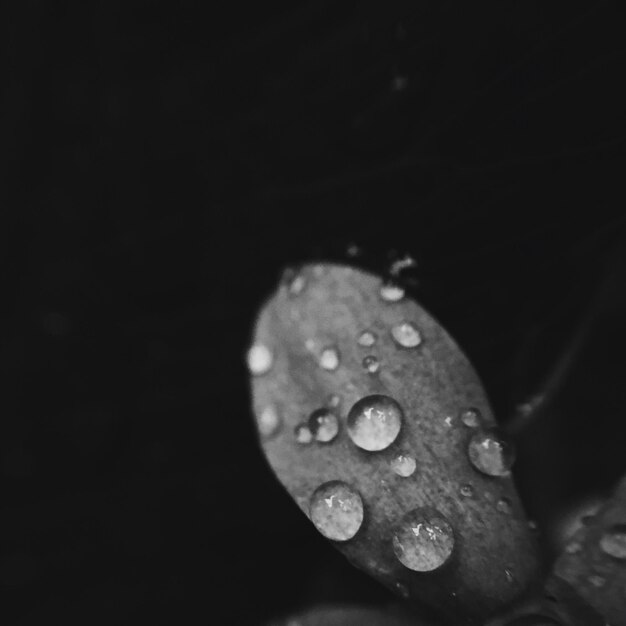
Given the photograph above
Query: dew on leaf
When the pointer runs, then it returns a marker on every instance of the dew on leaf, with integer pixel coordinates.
(490, 454)
(323, 425)
(336, 510)
(403, 465)
(423, 541)
(374, 422)
(260, 359)
(406, 335)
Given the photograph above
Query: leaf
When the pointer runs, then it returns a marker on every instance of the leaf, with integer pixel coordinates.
(464, 530)
(594, 561)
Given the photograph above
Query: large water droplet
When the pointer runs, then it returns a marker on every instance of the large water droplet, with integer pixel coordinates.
(260, 359)
(323, 425)
(490, 454)
(336, 510)
(303, 434)
(470, 417)
(613, 542)
(371, 364)
(406, 335)
(329, 359)
(269, 421)
(403, 465)
(391, 292)
(367, 339)
(374, 422)
(424, 540)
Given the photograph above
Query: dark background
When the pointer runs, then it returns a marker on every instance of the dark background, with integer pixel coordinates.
(162, 161)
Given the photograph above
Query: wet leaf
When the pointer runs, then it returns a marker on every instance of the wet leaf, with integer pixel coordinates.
(451, 535)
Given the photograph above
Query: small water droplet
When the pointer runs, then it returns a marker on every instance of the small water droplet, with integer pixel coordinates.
(532, 525)
(403, 465)
(423, 541)
(403, 263)
(374, 422)
(402, 590)
(297, 285)
(573, 547)
(303, 434)
(467, 491)
(596, 580)
(269, 421)
(391, 292)
(490, 453)
(613, 542)
(447, 420)
(260, 359)
(371, 364)
(509, 576)
(329, 359)
(336, 510)
(406, 335)
(323, 425)
(353, 250)
(333, 401)
(309, 344)
(367, 339)
(504, 505)
(470, 417)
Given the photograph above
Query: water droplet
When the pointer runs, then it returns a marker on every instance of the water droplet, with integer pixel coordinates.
(371, 364)
(509, 576)
(613, 542)
(470, 417)
(391, 292)
(402, 590)
(573, 547)
(596, 580)
(490, 454)
(309, 344)
(297, 285)
(260, 359)
(336, 510)
(303, 434)
(333, 401)
(374, 422)
(403, 465)
(424, 540)
(532, 525)
(406, 335)
(448, 421)
(353, 250)
(504, 505)
(402, 264)
(367, 339)
(329, 359)
(269, 421)
(467, 491)
(323, 425)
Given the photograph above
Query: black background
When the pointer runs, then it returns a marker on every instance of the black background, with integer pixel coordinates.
(162, 161)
